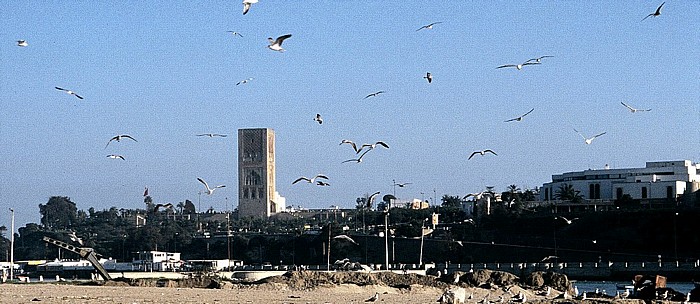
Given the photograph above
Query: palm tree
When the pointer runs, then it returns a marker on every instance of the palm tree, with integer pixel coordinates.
(566, 192)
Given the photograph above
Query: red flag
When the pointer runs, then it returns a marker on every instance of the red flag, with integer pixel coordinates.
(145, 192)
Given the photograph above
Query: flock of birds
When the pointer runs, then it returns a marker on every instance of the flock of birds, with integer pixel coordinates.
(363, 150)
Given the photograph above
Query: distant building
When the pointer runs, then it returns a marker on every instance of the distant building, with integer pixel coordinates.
(256, 174)
(658, 182)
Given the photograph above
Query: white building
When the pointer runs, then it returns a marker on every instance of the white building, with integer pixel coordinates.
(663, 181)
(158, 261)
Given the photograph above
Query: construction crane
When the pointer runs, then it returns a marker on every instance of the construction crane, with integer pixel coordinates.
(85, 253)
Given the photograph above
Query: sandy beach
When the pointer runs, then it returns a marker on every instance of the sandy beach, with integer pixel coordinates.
(268, 293)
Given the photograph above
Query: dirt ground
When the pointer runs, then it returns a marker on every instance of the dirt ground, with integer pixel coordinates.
(300, 287)
(264, 293)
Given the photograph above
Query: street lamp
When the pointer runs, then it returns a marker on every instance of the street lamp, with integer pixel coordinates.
(422, 235)
(12, 245)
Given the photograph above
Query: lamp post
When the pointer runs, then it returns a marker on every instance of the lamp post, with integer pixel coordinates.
(422, 235)
(386, 238)
(12, 245)
(675, 237)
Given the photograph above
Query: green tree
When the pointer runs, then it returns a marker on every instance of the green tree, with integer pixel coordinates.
(566, 192)
(449, 201)
(58, 213)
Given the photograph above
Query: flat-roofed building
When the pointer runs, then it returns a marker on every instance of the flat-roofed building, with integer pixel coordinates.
(663, 181)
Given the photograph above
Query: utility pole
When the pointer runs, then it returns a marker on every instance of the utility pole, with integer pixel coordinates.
(12, 246)
(328, 257)
(422, 235)
(386, 238)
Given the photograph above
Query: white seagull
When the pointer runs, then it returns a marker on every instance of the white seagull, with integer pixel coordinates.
(372, 146)
(482, 152)
(588, 141)
(655, 13)
(357, 160)
(318, 119)
(429, 26)
(401, 185)
(75, 238)
(246, 5)
(118, 138)
(517, 66)
(371, 198)
(212, 135)
(568, 221)
(344, 237)
(633, 110)
(235, 34)
(22, 43)
(354, 147)
(374, 94)
(519, 118)
(538, 59)
(244, 81)
(276, 44)
(209, 190)
(310, 180)
(428, 77)
(69, 92)
(475, 195)
(116, 156)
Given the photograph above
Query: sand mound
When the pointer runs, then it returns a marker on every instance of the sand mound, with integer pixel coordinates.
(300, 280)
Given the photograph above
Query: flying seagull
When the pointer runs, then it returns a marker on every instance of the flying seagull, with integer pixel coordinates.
(517, 66)
(372, 146)
(166, 206)
(344, 237)
(428, 77)
(310, 180)
(401, 185)
(475, 195)
(75, 238)
(318, 119)
(209, 190)
(235, 34)
(374, 298)
(568, 221)
(69, 92)
(482, 152)
(371, 198)
(429, 26)
(357, 160)
(374, 94)
(519, 118)
(588, 141)
(118, 138)
(538, 59)
(633, 110)
(116, 156)
(276, 44)
(656, 13)
(212, 135)
(246, 5)
(22, 43)
(354, 147)
(244, 81)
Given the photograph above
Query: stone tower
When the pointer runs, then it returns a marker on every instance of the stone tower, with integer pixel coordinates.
(256, 173)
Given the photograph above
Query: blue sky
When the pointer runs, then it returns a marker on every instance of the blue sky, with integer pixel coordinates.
(164, 71)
